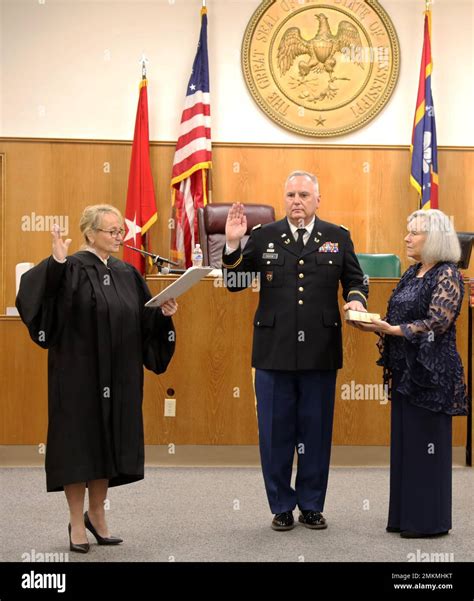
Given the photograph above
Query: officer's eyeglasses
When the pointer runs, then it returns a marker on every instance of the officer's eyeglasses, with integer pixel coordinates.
(113, 233)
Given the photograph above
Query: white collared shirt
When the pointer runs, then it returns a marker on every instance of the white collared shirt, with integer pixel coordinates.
(294, 230)
(93, 251)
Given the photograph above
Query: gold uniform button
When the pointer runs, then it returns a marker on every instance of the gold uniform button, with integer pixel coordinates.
(301, 276)
(301, 262)
(268, 262)
(330, 262)
(301, 288)
(300, 302)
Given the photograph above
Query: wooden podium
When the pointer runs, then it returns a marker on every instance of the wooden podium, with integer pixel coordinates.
(210, 376)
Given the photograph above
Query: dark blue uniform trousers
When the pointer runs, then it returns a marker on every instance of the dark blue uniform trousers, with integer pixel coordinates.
(420, 467)
(295, 412)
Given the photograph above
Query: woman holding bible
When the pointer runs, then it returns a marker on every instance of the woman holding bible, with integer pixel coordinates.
(88, 310)
(425, 379)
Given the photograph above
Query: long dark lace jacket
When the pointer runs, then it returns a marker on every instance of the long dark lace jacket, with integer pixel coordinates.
(425, 356)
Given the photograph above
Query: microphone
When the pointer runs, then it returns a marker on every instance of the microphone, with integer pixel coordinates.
(156, 258)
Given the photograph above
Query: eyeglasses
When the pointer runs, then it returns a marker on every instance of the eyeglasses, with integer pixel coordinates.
(113, 233)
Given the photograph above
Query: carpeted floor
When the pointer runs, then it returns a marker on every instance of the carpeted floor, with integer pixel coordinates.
(221, 514)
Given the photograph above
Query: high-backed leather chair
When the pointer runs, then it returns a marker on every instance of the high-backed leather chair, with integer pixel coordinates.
(211, 224)
(465, 240)
(380, 265)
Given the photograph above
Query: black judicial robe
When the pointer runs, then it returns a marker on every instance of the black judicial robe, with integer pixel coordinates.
(99, 335)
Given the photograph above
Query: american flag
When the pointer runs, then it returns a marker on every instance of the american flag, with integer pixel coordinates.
(193, 157)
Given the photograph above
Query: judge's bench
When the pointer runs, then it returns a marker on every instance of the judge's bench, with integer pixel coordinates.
(210, 376)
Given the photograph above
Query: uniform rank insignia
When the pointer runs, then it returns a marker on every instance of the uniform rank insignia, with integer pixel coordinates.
(269, 276)
(329, 247)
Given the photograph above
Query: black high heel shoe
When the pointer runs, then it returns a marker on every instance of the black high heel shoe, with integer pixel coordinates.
(80, 548)
(101, 540)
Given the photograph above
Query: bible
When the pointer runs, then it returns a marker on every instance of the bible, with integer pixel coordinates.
(361, 316)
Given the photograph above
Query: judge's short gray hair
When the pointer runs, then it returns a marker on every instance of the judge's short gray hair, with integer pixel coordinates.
(92, 216)
(310, 176)
(442, 243)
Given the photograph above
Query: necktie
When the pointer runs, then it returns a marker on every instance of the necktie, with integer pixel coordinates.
(299, 241)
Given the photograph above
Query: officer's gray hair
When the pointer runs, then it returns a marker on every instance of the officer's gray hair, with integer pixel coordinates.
(310, 176)
(442, 243)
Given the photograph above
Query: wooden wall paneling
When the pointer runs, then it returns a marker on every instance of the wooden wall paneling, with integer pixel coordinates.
(210, 372)
(212, 361)
(210, 375)
(364, 188)
(23, 385)
(3, 253)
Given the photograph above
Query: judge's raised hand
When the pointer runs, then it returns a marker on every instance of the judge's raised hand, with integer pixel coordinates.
(60, 246)
(236, 225)
(169, 308)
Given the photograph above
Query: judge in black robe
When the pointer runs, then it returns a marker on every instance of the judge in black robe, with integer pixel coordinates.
(89, 312)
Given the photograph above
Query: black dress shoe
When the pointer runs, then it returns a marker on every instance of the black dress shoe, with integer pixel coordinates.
(392, 529)
(283, 521)
(81, 548)
(312, 519)
(410, 534)
(101, 540)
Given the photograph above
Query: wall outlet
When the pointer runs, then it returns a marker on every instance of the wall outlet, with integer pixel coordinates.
(170, 407)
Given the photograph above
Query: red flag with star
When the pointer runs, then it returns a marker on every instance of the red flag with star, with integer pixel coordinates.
(140, 213)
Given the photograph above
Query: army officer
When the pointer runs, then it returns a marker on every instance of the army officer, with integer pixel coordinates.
(297, 345)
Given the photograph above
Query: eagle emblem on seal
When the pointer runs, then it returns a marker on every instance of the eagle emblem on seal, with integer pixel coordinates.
(322, 51)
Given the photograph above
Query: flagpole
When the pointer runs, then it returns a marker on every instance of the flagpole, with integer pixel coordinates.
(144, 61)
(209, 171)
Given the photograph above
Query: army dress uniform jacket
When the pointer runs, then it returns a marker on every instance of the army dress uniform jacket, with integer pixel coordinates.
(297, 325)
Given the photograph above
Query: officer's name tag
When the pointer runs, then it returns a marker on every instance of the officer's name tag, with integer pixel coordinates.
(270, 256)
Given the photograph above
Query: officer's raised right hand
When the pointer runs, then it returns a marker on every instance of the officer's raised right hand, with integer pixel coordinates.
(236, 225)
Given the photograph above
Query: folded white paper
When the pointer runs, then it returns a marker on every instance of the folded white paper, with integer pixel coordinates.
(190, 277)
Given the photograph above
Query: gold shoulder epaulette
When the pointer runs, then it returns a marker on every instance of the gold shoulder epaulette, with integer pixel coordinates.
(255, 227)
(344, 227)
